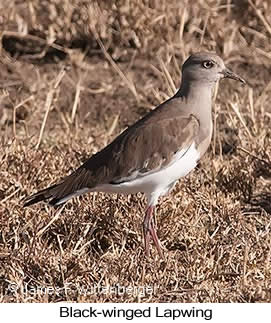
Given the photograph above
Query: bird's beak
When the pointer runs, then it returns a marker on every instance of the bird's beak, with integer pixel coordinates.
(229, 74)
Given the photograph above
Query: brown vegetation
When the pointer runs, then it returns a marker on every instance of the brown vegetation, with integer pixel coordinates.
(72, 77)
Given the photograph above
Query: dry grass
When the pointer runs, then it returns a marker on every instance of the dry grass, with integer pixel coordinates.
(74, 76)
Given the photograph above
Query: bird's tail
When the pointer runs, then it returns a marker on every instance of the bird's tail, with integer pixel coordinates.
(50, 194)
(57, 194)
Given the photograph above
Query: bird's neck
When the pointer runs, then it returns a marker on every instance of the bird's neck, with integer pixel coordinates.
(197, 95)
(194, 90)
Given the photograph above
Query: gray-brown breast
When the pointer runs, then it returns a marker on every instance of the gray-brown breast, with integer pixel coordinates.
(204, 137)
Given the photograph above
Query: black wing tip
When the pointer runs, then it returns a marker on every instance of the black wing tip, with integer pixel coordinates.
(43, 195)
(39, 197)
(33, 199)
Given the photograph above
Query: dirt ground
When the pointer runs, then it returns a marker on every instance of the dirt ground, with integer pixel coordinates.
(74, 74)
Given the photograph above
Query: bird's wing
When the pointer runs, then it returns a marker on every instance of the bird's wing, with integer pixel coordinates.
(149, 148)
(145, 147)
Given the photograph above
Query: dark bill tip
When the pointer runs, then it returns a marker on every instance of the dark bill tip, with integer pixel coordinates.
(229, 74)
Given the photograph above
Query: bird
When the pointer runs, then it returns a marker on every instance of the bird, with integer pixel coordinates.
(151, 155)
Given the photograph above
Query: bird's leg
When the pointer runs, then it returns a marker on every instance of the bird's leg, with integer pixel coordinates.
(149, 231)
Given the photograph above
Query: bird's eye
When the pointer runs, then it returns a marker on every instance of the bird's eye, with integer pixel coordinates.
(208, 64)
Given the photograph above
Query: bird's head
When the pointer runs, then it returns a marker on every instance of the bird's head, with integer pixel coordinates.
(208, 68)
